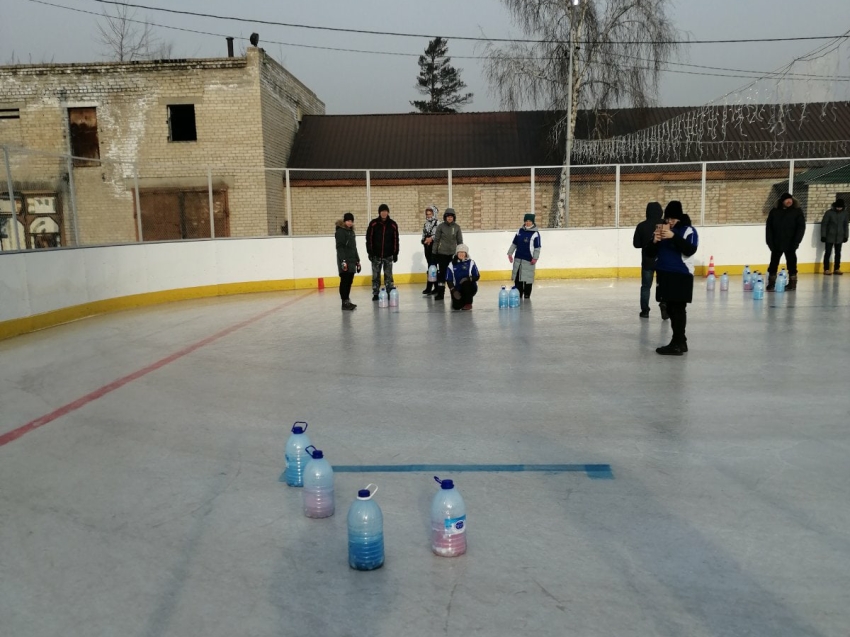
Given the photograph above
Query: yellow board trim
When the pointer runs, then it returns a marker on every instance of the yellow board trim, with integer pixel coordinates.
(16, 327)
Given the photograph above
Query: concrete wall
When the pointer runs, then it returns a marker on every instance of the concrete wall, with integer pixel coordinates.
(35, 283)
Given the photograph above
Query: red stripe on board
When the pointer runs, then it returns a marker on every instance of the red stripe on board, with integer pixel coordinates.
(116, 384)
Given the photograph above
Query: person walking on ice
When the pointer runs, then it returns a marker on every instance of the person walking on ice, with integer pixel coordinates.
(526, 245)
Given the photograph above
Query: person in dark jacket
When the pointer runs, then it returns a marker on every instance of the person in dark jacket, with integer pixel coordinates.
(382, 247)
(784, 232)
(676, 243)
(429, 229)
(462, 278)
(347, 258)
(526, 245)
(446, 240)
(644, 233)
(834, 232)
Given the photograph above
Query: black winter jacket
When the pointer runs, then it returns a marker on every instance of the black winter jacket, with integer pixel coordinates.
(785, 229)
(382, 238)
(644, 232)
(834, 226)
(346, 247)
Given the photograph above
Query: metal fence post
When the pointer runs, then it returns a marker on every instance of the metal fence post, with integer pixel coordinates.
(138, 202)
(617, 196)
(72, 195)
(13, 208)
(791, 177)
(212, 204)
(368, 194)
(288, 204)
(450, 189)
(532, 190)
(702, 196)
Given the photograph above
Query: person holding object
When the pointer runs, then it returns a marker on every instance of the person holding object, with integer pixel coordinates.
(447, 237)
(382, 247)
(429, 229)
(462, 278)
(526, 244)
(784, 230)
(347, 258)
(643, 240)
(676, 241)
(834, 233)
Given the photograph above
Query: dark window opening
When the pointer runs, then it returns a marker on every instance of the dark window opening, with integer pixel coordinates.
(173, 214)
(181, 123)
(10, 113)
(82, 123)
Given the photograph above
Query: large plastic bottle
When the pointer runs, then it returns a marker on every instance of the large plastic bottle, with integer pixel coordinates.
(318, 486)
(709, 283)
(513, 297)
(724, 282)
(781, 282)
(758, 289)
(448, 521)
(383, 299)
(503, 298)
(432, 273)
(365, 532)
(295, 455)
(394, 297)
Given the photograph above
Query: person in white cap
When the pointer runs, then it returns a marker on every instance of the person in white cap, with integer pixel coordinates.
(462, 279)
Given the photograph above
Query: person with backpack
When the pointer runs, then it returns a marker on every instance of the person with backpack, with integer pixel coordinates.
(382, 247)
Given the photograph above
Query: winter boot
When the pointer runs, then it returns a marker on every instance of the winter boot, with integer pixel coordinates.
(441, 292)
(771, 283)
(348, 306)
(673, 349)
(428, 288)
(792, 283)
(528, 290)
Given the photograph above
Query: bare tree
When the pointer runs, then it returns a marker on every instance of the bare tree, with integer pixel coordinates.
(619, 50)
(126, 39)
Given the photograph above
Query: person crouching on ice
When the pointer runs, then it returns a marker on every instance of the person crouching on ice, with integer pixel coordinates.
(462, 279)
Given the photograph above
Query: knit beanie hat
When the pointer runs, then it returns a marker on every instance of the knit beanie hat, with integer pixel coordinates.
(348, 217)
(462, 247)
(674, 210)
(383, 207)
(839, 203)
(528, 217)
(450, 212)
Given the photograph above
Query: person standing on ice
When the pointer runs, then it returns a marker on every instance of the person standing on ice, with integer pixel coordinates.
(644, 233)
(382, 247)
(526, 245)
(347, 258)
(446, 240)
(429, 229)
(784, 230)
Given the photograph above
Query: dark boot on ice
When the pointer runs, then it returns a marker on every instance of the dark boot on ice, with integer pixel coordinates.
(771, 283)
(792, 283)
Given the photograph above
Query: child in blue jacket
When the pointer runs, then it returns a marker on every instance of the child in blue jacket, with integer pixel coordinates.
(526, 245)
(462, 279)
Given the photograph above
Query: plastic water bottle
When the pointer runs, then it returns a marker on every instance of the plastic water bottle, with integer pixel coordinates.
(382, 298)
(709, 283)
(296, 456)
(513, 297)
(432, 273)
(448, 521)
(758, 289)
(318, 486)
(784, 274)
(780, 283)
(365, 532)
(394, 297)
(503, 298)
(747, 278)
(724, 282)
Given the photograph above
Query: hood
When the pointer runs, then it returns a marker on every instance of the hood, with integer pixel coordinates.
(533, 228)
(654, 211)
(685, 220)
(341, 224)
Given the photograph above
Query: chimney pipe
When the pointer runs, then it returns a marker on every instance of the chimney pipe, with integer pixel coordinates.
(230, 47)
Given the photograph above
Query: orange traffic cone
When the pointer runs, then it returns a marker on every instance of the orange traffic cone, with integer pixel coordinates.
(710, 266)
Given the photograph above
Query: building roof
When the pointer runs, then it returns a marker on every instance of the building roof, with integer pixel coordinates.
(522, 138)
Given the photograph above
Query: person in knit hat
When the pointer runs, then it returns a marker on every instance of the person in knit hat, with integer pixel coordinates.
(462, 278)
(347, 258)
(429, 229)
(526, 245)
(447, 237)
(834, 233)
(784, 231)
(382, 247)
(676, 242)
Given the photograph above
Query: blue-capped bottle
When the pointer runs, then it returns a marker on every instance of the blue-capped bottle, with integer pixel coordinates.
(295, 455)
(448, 521)
(432, 274)
(503, 298)
(781, 282)
(318, 485)
(758, 289)
(747, 279)
(365, 531)
(383, 299)
(513, 297)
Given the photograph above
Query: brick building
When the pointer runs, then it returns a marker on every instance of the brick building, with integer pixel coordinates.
(164, 121)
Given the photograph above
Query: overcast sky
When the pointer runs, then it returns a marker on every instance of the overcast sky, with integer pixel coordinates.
(365, 83)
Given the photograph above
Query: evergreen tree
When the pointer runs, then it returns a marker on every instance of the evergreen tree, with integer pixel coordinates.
(440, 81)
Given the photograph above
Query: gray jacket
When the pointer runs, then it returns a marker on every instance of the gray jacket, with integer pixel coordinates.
(447, 238)
(834, 226)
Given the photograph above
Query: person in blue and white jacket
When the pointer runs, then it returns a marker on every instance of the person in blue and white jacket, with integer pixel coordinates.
(676, 241)
(526, 244)
(462, 279)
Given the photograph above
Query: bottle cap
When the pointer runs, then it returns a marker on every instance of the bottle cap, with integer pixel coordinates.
(316, 453)
(298, 429)
(447, 484)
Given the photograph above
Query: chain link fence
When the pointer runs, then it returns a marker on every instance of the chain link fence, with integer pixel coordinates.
(61, 200)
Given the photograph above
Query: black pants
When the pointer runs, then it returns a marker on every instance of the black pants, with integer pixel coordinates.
(429, 254)
(443, 261)
(524, 288)
(790, 259)
(345, 281)
(467, 290)
(678, 320)
(827, 253)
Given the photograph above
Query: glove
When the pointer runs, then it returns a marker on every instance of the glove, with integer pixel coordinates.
(395, 258)
(533, 261)
(456, 295)
(510, 258)
(822, 240)
(358, 267)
